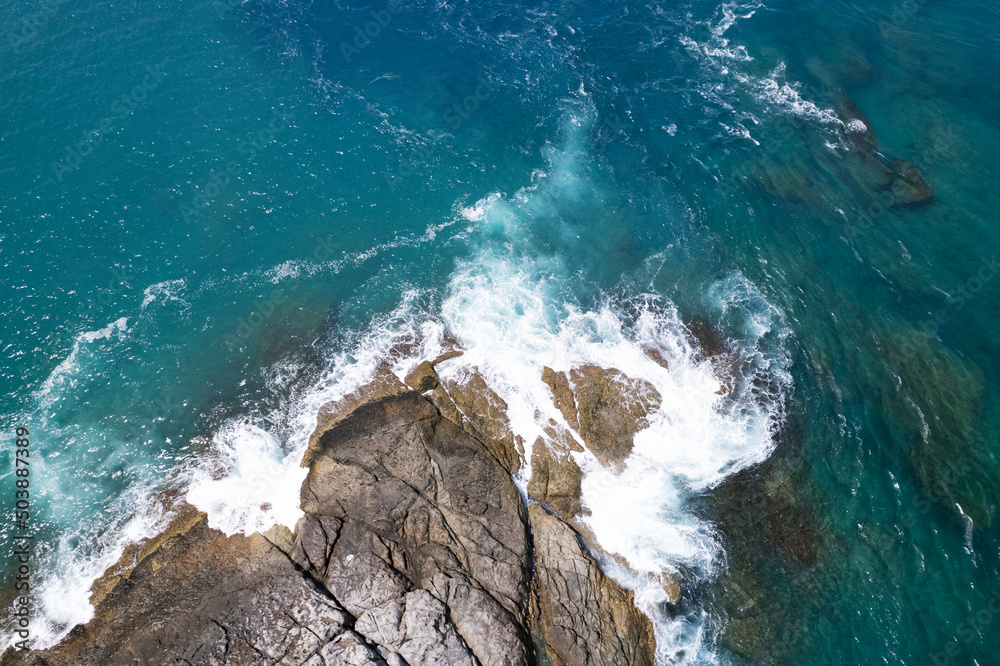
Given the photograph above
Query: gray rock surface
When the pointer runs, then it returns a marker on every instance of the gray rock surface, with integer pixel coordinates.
(588, 619)
(414, 549)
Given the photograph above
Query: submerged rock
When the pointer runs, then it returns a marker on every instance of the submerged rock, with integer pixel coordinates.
(859, 128)
(710, 342)
(867, 169)
(867, 166)
(791, 183)
(657, 357)
(908, 186)
(774, 542)
(938, 415)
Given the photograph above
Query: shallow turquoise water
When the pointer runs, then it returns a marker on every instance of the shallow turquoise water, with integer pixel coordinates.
(207, 208)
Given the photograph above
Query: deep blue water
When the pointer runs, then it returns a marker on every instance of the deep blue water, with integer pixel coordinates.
(217, 215)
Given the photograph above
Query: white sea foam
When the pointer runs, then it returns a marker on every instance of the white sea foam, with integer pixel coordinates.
(294, 269)
(512, 310)
(785, 97)
(244, 486)
(64, 374)
(512, 324)
(251, 479)
(82, 555)
(167, 291)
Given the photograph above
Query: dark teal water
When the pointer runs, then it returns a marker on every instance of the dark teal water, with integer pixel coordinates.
(217, 215)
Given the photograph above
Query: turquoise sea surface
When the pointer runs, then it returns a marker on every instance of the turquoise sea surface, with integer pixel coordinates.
(217, 215)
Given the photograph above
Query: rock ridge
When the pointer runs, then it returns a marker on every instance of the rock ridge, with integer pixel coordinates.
(416, 547)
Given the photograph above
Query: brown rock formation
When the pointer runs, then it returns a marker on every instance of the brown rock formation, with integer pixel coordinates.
(657, 357)
(384, 384)
(555, 479)
(612, 408)
(413, 550)
(562, 395)
(422, 378)
(484, 416)
(588, 619)
(186, 518)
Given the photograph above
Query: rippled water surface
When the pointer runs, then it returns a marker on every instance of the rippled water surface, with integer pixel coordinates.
(217, 216)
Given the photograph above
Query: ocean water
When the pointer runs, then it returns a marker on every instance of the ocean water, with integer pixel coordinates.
(217, 216)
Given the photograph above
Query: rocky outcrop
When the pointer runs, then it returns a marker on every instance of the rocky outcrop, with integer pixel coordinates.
(188, 601)
(612, 408)
(383, 384)
(185, 517)
(484, 416)
(414, 549)
(420, 535)
(422, 378)
(562, 395)
(588, 619)
(866, 164)
(605, 406)
(555, 479)
(657, 357)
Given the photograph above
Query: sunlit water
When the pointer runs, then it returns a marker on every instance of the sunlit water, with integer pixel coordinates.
(218, 216)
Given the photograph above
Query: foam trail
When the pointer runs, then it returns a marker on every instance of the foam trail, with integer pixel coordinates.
(730, 75)
(62, 376)
(167, 290)
(63, 596)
